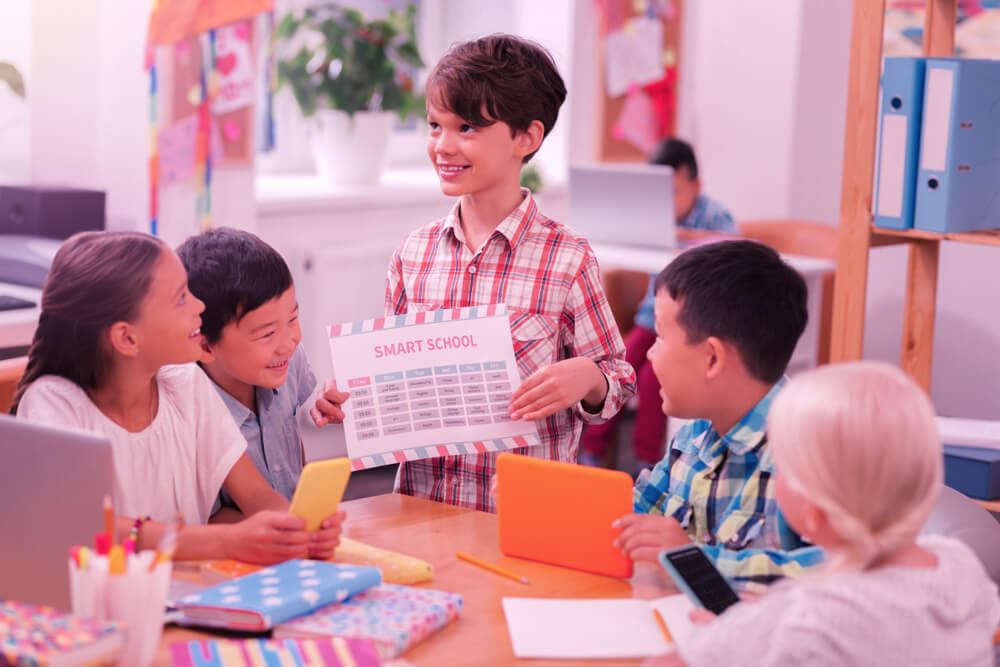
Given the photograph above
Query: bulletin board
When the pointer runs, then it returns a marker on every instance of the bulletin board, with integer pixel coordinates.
(639, 61)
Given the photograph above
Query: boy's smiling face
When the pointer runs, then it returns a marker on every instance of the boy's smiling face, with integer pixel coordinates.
(472, 160)
(679, 365)
(255, 350)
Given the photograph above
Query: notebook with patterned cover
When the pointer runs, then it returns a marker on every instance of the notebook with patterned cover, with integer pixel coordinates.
(258, 601)
(38, 635)
(393, 617)
(328, 651)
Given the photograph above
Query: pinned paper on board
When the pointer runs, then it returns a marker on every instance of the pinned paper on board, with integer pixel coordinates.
(232, 139)
(428, 384)
(643, 54)
(234, 67)
(637, 122)
(633, 55)
(175, 146)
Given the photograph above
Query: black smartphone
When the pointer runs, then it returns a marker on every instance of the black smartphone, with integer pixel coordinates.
(698, 578)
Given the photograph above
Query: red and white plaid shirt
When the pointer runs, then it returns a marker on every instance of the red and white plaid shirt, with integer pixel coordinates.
(549, 279)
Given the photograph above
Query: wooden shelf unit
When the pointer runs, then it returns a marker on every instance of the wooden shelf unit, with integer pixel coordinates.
(857, 234)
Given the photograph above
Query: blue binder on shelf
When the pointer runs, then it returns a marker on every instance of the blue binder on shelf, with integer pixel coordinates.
(959, 147)
(899, 142)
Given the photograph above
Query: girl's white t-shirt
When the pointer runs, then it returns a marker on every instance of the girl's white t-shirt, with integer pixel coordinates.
(176, 464)
(943, 615)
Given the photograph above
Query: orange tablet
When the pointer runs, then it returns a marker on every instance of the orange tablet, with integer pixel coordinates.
(561, 513)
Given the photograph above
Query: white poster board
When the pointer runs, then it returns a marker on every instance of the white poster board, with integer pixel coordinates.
(428, 384)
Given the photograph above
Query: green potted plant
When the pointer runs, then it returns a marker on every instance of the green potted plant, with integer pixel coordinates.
(349, 78)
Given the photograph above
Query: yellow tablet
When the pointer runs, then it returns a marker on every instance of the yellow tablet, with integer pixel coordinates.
(320, 488)
(561, 513)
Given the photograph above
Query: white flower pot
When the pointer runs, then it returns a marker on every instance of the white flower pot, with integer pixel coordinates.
(350, 150)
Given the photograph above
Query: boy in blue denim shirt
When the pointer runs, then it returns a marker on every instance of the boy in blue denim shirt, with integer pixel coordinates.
(250, 341)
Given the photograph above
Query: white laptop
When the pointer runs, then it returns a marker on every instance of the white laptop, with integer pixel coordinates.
(52, 486)
(623, 204)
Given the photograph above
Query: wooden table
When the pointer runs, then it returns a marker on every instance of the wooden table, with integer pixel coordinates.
(434, 532)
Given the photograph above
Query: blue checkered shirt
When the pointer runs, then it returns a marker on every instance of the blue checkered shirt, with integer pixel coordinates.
(721, 490)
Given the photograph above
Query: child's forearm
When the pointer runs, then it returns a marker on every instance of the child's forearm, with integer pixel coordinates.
(193, 542)
(203, 542)
(593, 400)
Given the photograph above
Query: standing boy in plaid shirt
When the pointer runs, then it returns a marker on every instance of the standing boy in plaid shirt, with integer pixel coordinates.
(728, 316)
(490, 103)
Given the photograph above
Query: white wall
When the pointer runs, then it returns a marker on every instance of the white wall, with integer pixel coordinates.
(63, 105)
(15, 48)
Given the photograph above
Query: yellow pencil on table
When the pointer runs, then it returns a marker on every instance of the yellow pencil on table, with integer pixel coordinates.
(663, 625)
(491, 567)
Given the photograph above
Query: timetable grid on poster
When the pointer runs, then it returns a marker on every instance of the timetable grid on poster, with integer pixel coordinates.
(423, 399)
(427, 384)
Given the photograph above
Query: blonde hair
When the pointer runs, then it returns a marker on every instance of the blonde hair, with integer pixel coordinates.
(860, 440)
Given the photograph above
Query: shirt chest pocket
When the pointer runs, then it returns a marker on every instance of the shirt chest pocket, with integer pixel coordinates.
(740, 529)
(535, 338)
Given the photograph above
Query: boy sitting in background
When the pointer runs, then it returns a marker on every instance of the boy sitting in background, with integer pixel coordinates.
(250, 340)
(698, 216)
(728, 316)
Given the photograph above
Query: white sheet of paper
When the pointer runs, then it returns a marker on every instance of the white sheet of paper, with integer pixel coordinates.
(594, 628)
(969, 432)
(633, 55)
(428, 388)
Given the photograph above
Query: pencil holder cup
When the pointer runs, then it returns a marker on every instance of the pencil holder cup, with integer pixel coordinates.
(136, 598)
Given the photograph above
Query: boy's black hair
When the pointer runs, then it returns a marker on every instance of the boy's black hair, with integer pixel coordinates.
(675, 153)
(233, 272)
(499, 78)
(743, 293)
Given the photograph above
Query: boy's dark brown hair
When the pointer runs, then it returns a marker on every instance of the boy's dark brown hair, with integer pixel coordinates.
(498, 78)
(741, 292)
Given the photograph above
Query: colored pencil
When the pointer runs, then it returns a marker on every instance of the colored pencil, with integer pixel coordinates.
(663, 625)
(491, 567)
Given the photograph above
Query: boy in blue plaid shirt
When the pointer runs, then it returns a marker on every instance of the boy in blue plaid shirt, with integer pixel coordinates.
(728, 316)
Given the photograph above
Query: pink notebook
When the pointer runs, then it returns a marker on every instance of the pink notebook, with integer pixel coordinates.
(392, 617)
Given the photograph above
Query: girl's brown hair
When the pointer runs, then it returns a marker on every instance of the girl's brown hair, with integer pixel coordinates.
(96, 279)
